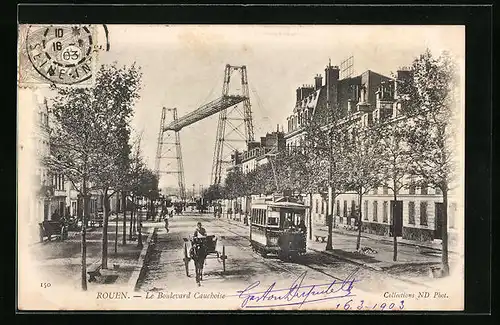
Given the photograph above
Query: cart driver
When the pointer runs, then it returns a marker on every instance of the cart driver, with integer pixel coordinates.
(200, 232)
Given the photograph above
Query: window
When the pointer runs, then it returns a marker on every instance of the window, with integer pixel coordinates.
(385, 212)
(272, 221)
(317, 208)
(375, 208)
(411, 213)
(375, 190)
(338, 207)
(438, 191)
(353, 209)
(423, 213)
(423, 189)
(345, 208)
(385, 189)
(411, 189)
(322, 207)
(366, 211)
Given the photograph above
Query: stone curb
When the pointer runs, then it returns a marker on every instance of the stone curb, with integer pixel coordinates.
(140, 269)
(388, 240)
(373, 267)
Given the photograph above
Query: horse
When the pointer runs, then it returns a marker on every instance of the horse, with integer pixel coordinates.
(198, 254)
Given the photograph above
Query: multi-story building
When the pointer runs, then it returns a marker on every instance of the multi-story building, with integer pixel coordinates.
(353, 96)
(247, 161)
(37, 145)
(363, 101)
(256, 153)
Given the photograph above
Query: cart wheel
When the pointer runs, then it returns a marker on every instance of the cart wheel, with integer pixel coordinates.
(186, 260)
(224, 258)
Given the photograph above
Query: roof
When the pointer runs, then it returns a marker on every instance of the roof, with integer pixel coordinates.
(282, 202)
(309, 101)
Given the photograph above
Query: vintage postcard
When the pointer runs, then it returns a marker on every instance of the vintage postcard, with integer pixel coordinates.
(240, 167)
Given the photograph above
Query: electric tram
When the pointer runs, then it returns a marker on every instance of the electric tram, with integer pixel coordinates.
(278, 227)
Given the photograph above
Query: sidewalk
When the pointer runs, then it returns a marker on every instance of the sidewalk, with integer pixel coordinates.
(60, 261)
(435, 245)
(380, 252)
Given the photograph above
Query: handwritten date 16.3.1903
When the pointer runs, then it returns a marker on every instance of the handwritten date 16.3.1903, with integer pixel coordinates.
(361, 305)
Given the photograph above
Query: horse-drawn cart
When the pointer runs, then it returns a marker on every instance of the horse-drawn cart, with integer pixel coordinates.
(203, 248)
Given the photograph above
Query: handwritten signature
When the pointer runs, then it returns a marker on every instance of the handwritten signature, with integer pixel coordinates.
(297, 293)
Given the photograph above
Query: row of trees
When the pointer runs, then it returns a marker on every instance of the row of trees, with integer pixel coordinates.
(415, 148)
(90, 144)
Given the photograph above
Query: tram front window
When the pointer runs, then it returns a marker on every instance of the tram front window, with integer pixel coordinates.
(272, 221)
(292, 219)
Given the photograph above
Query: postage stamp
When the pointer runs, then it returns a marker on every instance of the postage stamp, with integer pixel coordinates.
(57, 54)
(241, 167)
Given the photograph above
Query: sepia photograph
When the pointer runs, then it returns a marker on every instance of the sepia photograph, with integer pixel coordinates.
(241, 167)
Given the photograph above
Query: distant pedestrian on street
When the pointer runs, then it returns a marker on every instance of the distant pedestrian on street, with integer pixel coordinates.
(166, 223)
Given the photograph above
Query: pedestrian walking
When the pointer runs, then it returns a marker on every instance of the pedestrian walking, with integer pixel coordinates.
(166, 223)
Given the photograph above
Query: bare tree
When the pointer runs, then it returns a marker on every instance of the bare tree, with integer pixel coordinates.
(85, 119)
(395, 159)
(324, 148)
(362, 157)
(136, 169)
(430, 100)
(115, 93)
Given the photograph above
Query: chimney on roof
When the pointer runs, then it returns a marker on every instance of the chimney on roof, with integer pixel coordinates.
(299, 94)
(318, 82)
(331, 74)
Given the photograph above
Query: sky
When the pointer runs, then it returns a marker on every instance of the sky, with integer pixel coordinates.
(183, 67)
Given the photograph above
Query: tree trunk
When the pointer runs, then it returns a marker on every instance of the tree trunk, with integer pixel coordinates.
(131, 227)
(136, 212)
(84, 235)
(116, 223)
(124, 230)
(139, 228)
(329, 220)
(360, 220)
(444, 253)
(104, 263)
(310, 216)
(395, 238)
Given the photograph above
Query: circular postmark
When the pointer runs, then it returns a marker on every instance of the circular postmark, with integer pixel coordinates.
(61, 54)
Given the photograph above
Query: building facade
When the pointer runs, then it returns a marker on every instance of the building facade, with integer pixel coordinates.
(256, 153)
(364, 101)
